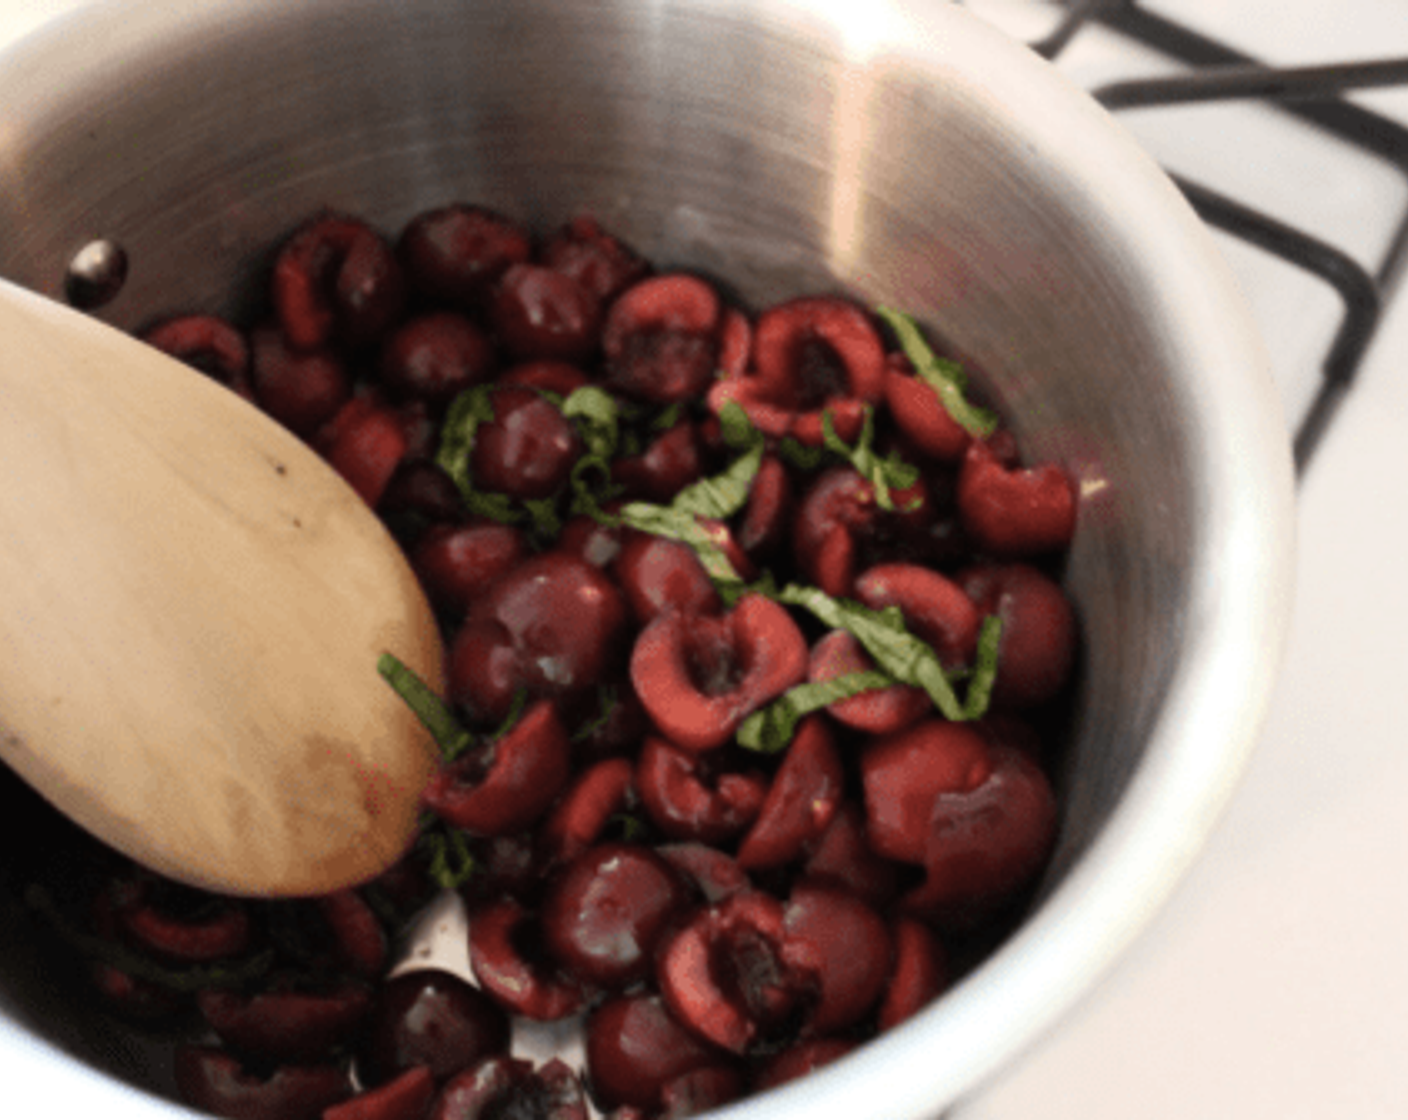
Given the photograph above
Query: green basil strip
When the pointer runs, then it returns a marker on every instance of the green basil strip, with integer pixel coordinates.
(193, 978)
(449, 734)
(597, 418)
(462, 419)
(893, 648)
(946, 378)
(677, 525)
(450, 862)
(770, 729)
(882, 474)
(984, 668)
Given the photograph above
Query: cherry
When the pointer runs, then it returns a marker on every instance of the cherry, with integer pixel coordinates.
(714, 874)
(906, 774)
(553, 627)
(457, 564)
(690, 796)
(800, 1059)
(635, 1047)
(435, 357)
(561, 378)
(429, 1018)
(920, 974)
(1015, 512)
(657, 574)
(660, 338)
(537, 312)
(285, 1021)
(810, 355)
(580, 816)
(1037, 647)
(507, 785)
(504, 1088)
(766, 518)
(801, 800)
(361, 942)
(920, 414)
(335, 279)
(214, 1081)
(455, 254)
(508, 961)
(604, 265)
(842, 855)
(406, 1097)
(527, 451)
(700, 677)
(365, 443)
(209, 344)
(847, 946)
(731, 974)
(879, 711)
(181, 924)
(934, 608)
(700, 1090)
(603, 916)
(302, 390)
(670, 462)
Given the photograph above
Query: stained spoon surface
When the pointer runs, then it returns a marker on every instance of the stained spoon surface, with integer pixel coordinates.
(192, 606)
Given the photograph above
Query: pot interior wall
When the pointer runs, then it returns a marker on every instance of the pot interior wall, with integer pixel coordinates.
(746, 142)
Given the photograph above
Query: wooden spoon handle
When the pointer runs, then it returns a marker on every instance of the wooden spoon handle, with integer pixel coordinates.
(191, 610)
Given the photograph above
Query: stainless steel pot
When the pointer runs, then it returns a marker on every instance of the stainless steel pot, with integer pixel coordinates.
(903, 152)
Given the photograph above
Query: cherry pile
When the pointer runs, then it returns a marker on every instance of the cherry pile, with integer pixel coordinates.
(756, 644)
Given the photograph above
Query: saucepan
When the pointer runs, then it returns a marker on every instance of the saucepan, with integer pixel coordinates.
(903, 152)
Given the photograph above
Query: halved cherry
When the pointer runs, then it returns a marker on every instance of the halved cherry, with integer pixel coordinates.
(365, 441)
(1037, 647)
(553, 627)
(501, 1088)
(731, 976)
(921, 973)
(766, 519)
(581, 815)
(800, 1059)
(934, 607)
(699, 1090)
(286, 1021)
(920, 414)
(700, 677)
(301, 389)
(660, 339)
(802, 798)
(602, 263)
(434, 357)
(214, 1081)
(528, 450)
(1014, 511)
(176, 922)
(508, 784)
(458, 563)
(602, 917)
(507, 958)
(336, 279)
(713, 872)
(842, 855)
(635, 1047)
(848, 947)
(692, 795)
(669, 463)
(429, 1018)
(360, 939)
(538, 313)
(404, 1098)
(207, 343)
(657, 574)
(455, 254)
(880, 711)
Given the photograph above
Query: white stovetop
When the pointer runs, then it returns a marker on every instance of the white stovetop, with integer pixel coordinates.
(1275, 984)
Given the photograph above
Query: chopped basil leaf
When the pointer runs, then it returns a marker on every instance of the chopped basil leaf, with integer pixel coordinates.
(800, 455)
(679, 525)
(882, 474)
(895, 650)
(984, 668)
(462, 419)
(770, 729)
(597, 417)
(450, 862)
(737, 428)
(449, 734)
(946, 378)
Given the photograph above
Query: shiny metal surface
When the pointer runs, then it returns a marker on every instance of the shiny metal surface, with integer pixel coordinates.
(902, 152)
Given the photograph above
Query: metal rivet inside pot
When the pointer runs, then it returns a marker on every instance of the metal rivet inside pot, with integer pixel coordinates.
(96, 274)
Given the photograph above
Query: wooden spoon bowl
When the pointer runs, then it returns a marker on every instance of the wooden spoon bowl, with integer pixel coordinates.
(192, 605)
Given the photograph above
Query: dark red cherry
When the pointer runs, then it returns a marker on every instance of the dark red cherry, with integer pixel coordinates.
(430, 1018)
(455, 254)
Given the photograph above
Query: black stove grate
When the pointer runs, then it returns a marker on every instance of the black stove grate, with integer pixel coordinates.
(1313, 95)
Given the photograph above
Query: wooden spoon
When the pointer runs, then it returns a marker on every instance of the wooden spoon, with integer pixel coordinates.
(192, 606)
